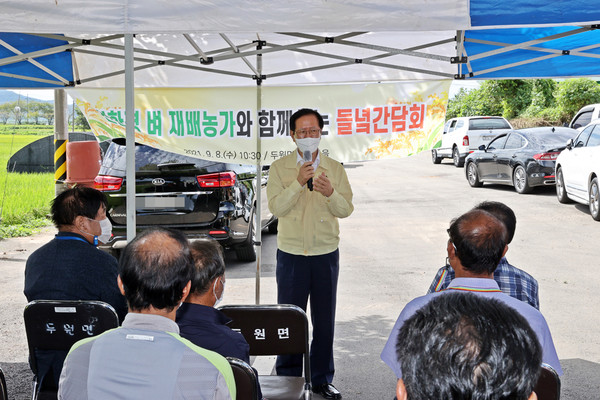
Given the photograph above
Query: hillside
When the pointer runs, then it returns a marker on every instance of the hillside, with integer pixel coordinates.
(7, 96)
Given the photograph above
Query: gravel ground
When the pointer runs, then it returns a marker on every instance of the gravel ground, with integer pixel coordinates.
(13, 354)
(390, 249)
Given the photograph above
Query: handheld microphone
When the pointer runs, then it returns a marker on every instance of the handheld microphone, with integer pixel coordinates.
(308, 157)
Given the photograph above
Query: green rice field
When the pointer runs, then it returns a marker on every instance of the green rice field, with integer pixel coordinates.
(24, 198)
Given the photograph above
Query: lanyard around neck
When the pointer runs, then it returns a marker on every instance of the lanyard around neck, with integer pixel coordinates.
(71, 238)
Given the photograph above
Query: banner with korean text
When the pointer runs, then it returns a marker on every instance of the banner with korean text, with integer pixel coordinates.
(362, 121)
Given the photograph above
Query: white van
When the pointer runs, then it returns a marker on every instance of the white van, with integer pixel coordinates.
(463, 135)
(584, 116)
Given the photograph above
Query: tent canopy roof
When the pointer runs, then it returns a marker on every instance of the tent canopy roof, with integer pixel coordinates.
(216, 16)
(200, 43)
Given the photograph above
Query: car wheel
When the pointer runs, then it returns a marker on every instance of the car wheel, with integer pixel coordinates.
(246, 252)
(473, 175)
(561, 191)
(456, 158)
(594, 200)
(520, 180)
(435, 158)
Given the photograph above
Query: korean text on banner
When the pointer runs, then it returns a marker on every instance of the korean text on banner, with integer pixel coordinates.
(362, 121)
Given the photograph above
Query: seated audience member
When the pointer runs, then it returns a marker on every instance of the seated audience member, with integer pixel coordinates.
(70, 267)
(513, 281)
(146, 358)
(476, 245)
(462, 346)
(198, 319)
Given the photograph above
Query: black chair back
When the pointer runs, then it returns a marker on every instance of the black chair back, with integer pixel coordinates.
(246, 381)
(548, 384)
(270, 329)
(55, 325)
(3, 390)
(277, 329)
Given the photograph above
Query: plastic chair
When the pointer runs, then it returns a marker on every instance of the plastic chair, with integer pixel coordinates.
(3, 390)
(53, 326)
(246, 381)
(548, 384)
(275, 330)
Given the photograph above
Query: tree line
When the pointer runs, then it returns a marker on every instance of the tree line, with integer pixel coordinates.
(36, 113)
(531, 102)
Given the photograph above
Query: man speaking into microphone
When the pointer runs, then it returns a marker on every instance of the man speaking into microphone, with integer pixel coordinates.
(308, 192)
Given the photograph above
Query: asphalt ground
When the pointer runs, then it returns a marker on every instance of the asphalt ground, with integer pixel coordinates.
(391, 247)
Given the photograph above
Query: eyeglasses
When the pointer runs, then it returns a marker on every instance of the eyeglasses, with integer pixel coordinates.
(311, 132)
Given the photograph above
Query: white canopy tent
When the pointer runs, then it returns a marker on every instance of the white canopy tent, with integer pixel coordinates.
(181, 44)
(210, 43)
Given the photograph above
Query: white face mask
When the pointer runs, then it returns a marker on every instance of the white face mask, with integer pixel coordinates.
(310, 144)
(95, 240)
(106, 228)
(105, 231)
(220, 298)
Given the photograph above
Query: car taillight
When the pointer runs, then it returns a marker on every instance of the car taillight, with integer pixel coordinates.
(221, 179)
(466, 141)
(546, 156)
(106, 183)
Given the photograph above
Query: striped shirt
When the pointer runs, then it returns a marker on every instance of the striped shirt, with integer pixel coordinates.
(513, 281)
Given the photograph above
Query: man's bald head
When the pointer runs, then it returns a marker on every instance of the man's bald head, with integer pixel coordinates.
(480, 240)
(155, 268)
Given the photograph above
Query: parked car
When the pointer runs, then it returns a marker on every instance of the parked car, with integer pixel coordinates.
(463, 135)
(578, 170)
(199, 197)
(522, 158)
(584, 116)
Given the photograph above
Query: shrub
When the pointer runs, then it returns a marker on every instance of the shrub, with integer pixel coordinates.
(532, 122)
(572, 94)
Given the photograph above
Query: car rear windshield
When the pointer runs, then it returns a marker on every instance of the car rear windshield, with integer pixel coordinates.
(549, 138)
(148, 158)
(488, 123)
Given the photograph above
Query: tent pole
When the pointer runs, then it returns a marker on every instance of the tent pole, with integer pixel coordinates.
(258, 213)
(460, 48)
(61, 137)
(130, 137)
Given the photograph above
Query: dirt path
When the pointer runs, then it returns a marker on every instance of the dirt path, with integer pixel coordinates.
(13, 352)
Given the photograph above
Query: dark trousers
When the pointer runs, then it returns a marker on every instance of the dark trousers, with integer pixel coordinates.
(301, 277)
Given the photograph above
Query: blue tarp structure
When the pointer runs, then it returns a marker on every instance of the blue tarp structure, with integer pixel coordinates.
(548, 52)
(44, 71)
(216, 43)
(485, 13)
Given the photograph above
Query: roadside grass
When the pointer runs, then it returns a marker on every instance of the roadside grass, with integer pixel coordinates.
(24, 198)
(39, 130)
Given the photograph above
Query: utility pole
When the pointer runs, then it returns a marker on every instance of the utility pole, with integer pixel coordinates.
(18, 111)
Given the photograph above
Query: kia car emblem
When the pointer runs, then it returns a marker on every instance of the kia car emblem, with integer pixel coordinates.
(158, 181)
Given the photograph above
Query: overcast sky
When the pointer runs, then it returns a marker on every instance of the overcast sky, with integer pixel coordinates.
(40, 94)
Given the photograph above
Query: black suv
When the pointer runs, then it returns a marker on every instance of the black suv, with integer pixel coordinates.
(199, 197)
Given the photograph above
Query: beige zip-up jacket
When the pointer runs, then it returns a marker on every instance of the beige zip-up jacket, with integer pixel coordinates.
(308, 221)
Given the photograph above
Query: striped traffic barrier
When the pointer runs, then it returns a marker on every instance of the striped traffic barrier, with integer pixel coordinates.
(60, 161)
